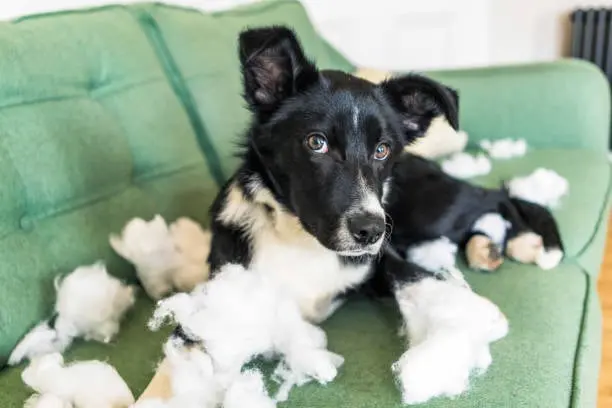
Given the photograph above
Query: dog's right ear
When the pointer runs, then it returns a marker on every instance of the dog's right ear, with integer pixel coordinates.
(274, 68)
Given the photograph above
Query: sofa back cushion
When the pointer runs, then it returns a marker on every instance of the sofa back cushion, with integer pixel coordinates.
(204, 53)
(91, 134)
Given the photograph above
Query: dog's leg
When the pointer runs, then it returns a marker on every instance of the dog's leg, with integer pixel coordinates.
(482, 253)
(449, 330)
(304, 350)
(484, 248)
(437, 256)
(534, 236)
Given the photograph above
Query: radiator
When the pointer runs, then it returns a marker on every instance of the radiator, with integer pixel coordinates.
(591, 37)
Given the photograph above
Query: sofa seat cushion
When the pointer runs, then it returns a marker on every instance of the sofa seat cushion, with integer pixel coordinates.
(91, 134)
(581, 211)
(135, 354)
(531, 367)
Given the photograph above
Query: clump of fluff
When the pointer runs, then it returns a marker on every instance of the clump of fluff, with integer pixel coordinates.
(504, 148)
(166, 258)
(437, 256)
(193, 246)
(192, 379)
(463, 165)
(46, 401)
(449, 328)
(239, 315)
(42, 339)
(85, 384)
(248, 390)
(90, 303)
(544, 187)
(151, 403)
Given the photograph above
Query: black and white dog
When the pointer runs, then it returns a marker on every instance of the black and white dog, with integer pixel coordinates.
(326, 201)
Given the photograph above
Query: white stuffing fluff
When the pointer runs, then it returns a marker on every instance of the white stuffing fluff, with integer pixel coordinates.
(239, 315)
(85, 384)
(151, 403)
(437, 256)
(440, 140)
(504, 148)
(41, 340)
(192, 379)
(543, 186)
(193, 246)
(449, 328)
(287, 379)
(91, 303)
(494, 226)
(463, 165)
(165, 258)
(248, 391)
(46, 401)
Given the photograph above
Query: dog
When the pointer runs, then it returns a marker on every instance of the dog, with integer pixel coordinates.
(326, 201)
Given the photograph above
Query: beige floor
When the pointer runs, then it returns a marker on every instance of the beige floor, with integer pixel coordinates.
(605, 293)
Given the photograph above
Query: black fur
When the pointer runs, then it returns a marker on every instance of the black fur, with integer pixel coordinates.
(425, 203)
(291, 99)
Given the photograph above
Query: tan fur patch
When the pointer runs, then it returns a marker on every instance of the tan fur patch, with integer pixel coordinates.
(482, 255)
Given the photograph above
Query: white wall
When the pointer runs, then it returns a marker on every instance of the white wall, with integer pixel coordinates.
(411, 33)
(532, 30)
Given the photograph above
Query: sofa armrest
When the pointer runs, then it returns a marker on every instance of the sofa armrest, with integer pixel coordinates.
(563, 104)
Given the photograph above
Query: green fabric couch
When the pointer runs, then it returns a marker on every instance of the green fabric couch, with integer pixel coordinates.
(116, 112)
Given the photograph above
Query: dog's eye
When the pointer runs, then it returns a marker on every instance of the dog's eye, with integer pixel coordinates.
(317, 142)
(382, 151)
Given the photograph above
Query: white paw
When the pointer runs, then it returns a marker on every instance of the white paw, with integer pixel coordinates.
(483, 360)
(321, 365)
(498, 327)
(422, 378)
(549, 259)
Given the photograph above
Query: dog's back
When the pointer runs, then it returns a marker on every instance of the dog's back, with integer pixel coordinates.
(425, 203)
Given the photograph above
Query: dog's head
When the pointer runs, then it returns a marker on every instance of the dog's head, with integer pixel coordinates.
(329, 139)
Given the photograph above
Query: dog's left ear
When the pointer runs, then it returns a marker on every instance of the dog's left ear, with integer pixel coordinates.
(419, 100)
(274, 67)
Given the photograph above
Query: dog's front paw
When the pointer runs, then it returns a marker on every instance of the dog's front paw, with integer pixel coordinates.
(422, 376)
(482, 254)
(525, 248)
(320, 365)
(483, 359)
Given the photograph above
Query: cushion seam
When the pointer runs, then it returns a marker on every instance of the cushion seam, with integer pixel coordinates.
(84, 10)
(150, 27)
(578, 351)
(72, 205)
(600, 218)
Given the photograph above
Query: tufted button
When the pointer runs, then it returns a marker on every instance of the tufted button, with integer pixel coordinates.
(26, 223)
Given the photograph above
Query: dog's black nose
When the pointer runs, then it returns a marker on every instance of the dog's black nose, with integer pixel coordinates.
(366, 228)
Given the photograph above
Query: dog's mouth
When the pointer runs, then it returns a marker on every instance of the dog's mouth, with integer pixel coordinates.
(372, 249)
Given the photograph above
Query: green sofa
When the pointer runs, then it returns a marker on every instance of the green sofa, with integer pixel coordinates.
(117, 112)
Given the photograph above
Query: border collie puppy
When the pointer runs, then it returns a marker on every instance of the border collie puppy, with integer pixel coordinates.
(322, 178)
(306, 206)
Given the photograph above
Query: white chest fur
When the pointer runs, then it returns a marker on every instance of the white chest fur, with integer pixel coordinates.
(290, 256)
(312, 274)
